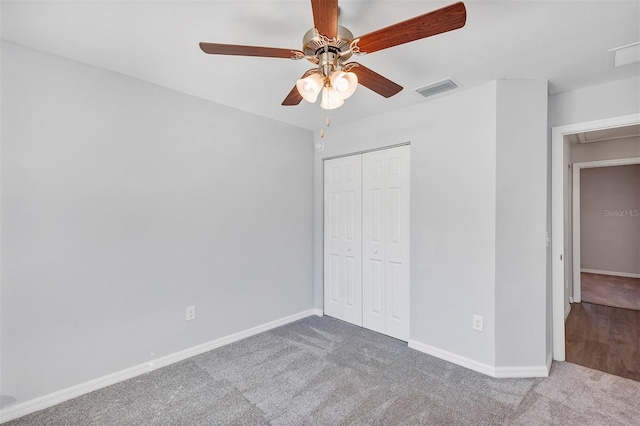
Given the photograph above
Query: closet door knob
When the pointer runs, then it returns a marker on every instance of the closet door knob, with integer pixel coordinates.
(349, 249)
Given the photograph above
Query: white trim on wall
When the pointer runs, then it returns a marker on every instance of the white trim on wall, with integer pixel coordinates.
(558, 191)
(577, 290)
(489, 370)
(21, 409)
(612, 273)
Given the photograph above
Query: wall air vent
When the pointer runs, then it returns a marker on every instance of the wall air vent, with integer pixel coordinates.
(438, 87)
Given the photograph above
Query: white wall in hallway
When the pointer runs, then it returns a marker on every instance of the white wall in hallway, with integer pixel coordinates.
(610, 219)
(606, 150)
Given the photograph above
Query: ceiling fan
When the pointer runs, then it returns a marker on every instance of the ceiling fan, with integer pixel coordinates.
(329, 45)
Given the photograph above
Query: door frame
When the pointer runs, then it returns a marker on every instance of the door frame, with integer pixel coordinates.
(577, 167)
(558, 193)
(382, 148)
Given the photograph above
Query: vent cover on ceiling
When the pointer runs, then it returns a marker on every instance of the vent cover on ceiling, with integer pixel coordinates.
(438, 87)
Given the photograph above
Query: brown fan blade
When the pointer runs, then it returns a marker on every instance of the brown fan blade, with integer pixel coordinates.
(372, 80)
(234, 49)
(325, 17)
(439, 21)
(294, 97)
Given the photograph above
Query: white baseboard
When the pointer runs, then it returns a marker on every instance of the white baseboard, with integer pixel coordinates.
(498, 372)
(612, 273)
(454, 358)
(23, 408)
(318, 312)
(521, 372)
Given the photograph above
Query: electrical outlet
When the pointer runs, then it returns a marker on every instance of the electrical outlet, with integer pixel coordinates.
(191, 313)
(478, 323)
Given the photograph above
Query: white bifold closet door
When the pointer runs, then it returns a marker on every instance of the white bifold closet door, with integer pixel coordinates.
(385, 241)
(343, 239)
(383, 289)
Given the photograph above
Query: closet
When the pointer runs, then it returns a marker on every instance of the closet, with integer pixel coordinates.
(366, 240)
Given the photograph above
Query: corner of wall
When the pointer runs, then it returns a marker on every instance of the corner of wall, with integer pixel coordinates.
(521, 224)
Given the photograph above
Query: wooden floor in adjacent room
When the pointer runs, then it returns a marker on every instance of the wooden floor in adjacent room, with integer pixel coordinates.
(604, 338)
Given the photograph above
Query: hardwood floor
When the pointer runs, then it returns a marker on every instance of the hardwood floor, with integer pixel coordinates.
(604, 338)
(608, 290)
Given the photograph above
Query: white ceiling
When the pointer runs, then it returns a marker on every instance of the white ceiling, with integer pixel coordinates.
(565, 42)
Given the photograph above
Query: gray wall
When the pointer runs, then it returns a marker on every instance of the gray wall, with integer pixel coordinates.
(463, 168)
(613, 99)
(124, 202)
(521, 224)
(606, 150)
(610, 219)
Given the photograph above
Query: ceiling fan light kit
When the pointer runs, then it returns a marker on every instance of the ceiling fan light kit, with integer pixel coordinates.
(335, 88)
(344, 83)
(309, 87)
(330, 98)
(329, 45)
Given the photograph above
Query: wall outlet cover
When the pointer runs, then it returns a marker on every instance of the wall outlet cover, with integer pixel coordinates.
(478, 323)
(191, 313)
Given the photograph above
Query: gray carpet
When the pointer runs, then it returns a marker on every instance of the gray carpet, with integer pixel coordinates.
(320, 371)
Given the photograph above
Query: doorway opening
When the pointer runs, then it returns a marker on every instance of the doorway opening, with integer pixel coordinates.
(606, 231)
(587, 333)
(559, 219)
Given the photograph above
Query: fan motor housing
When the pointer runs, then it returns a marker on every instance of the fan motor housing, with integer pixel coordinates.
(314, 44)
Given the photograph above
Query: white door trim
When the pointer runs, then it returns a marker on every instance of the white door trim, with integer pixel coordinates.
(577, 293)
(558, 191)
(382, 148)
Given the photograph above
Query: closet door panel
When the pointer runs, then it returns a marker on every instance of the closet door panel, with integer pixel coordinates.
(374, 218)
(332, 256)
(397, 180)
(343, 239)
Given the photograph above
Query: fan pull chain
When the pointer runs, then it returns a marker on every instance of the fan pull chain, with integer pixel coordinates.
(327, 124)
